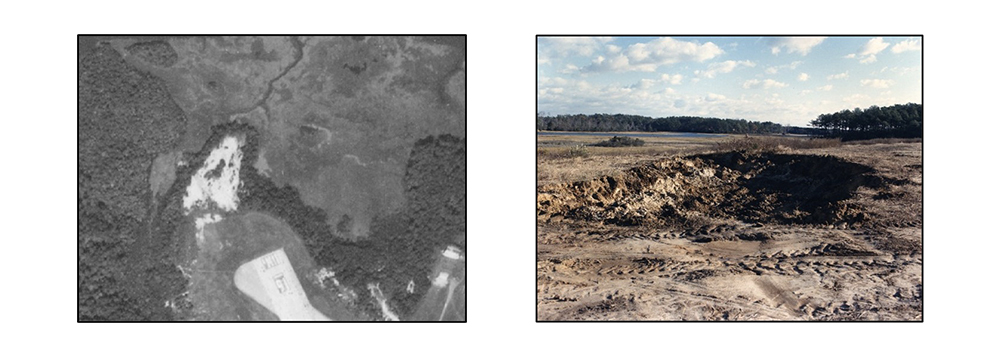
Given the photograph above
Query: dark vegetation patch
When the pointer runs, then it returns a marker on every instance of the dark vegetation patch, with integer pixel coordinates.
(217, 172)
(344, 225)
(158, 53)
(356, 68)
(126, 118)
(311, 136)
(617, 141)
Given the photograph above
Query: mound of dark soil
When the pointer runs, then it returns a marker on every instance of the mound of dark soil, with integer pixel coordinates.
(750, 187)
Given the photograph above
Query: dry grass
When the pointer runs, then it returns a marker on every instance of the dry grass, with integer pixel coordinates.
(565, 158)
(557, 164)
(774, 143)
(883, 141)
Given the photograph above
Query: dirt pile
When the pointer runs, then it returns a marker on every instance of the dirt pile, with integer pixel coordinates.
(733, 186)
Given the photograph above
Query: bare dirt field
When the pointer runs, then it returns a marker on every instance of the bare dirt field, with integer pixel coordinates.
(691, 233)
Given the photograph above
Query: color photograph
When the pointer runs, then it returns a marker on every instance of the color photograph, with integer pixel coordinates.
(729, 178)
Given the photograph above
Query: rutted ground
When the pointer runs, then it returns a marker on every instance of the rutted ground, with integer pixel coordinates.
(829, 234)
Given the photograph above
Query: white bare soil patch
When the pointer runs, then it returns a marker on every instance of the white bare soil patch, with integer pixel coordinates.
(387, 313)
(271, 281)
(218, 179)
(200, 223)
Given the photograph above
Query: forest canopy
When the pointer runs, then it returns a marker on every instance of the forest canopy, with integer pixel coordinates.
(626, 122)
(890, 121)
(900, 121)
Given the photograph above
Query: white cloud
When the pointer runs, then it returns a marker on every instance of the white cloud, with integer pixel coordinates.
(723, 67)
(570, 68)
(670, 50)
(843, 75)
(613, 49)
(825, 88)
(873, 47)
(565, 46)
(672, 79)
(801, 45)
(877, 83)
(904, 70)
(646, 57)
(765, 84)
(618, 63)
(614, 98)
(907, 45)
(775, 69)
(803, 76)
(643, 84)
(866, 54)
(714, 97)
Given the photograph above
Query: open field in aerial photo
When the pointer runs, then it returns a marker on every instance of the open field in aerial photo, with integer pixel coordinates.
(732, 227)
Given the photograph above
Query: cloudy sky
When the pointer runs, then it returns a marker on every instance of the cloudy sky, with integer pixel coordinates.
(787, 80)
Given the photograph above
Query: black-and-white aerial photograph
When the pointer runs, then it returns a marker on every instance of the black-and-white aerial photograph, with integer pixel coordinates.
(274, 178)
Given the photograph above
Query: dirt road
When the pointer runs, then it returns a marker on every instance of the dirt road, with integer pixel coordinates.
(824, 234)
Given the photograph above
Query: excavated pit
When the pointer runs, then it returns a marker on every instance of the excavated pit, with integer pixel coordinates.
(714, 188)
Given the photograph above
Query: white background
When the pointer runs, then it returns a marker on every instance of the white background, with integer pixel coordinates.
(39, 133)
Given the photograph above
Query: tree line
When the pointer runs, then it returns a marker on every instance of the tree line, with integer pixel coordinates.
(627, 122)
(901, 120)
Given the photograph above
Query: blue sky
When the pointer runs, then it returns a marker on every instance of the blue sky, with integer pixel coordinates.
(787, 80)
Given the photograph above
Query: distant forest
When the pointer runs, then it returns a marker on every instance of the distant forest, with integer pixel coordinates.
(903, 121)
(626, 122)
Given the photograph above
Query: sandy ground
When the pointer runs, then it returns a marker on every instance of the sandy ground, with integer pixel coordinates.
(794, 236)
